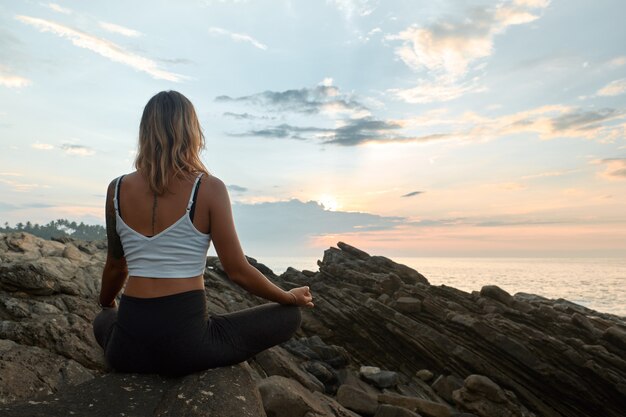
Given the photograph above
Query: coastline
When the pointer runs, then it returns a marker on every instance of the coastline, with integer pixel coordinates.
(596, 283)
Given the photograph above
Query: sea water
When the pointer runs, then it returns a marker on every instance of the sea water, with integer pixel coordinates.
(596, 283)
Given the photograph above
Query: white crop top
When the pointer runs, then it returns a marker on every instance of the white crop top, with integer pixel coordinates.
(177, 252)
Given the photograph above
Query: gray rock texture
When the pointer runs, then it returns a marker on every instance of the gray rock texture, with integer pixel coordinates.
(223, 392)
(450, 353)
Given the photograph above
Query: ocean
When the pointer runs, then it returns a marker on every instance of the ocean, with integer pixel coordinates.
(596, 283)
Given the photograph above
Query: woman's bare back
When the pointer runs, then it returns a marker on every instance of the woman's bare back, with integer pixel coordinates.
(149, 217)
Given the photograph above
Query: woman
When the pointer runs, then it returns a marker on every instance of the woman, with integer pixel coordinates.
(160, 221)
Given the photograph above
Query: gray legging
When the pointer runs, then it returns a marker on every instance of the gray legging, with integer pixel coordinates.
(172, 335)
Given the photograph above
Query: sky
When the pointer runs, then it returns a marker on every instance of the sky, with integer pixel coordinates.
(404, 128)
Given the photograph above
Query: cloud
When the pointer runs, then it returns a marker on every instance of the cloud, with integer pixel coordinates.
(238, 37)
(350, 8)
(78, 150)
(353, 132)
(59, 9)
(529, 222)
(615, 168)
(322, 98)
(113, 28)
(438, 90)
(447, 48)
(292, 223)
(6, 207)
(245, 116)
(614, 88)
(580, 119)
(618, 61)
(20, 186)
(369, 130)
(412, 193)
(237, 188)
(547, 174)
(8, 79)
(102, 47)
(68, 148)
(548, 122)
(42, 146)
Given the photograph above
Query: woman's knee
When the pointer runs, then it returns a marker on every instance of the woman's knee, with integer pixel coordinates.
(102, 323)
(294, 318)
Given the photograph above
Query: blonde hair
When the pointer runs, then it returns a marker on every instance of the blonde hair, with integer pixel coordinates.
(170, 140)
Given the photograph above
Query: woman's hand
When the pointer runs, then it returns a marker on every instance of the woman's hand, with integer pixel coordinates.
(303, 296)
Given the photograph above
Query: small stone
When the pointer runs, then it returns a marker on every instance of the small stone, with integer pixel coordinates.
(424, 374)
(368, 370)
(382, 379)
(408, 305)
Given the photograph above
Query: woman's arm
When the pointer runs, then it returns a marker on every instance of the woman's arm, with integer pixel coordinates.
(115, 269)
(232, 257)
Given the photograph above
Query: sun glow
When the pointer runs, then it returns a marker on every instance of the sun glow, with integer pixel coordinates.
(328, 201)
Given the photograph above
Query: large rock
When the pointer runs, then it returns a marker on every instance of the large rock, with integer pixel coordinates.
(277, 361)
(284, 397)
(28, 371)
(426, 407)
(485, 398)
(357, 400)
(221, 392)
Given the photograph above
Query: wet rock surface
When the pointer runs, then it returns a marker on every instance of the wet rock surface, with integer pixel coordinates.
(439, 351)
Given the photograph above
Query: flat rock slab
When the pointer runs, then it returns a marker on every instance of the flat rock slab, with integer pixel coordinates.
(223, 392)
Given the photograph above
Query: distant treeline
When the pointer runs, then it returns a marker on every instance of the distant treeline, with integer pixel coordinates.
(59, 228)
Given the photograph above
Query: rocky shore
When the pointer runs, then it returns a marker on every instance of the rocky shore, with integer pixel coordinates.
(381, 341)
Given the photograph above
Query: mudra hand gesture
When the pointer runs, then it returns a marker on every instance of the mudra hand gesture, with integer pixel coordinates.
(302, 296)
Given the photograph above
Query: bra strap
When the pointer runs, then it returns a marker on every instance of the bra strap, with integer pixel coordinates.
(194, 191)
(116, 196)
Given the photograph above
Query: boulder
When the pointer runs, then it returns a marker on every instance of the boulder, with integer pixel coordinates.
(224, 392)
(357, 400)
(483, 397)
(284, 397)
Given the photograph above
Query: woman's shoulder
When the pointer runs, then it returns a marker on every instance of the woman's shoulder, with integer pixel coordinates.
(212, 181)
(113, 183)
(123, 176)
(213, 185)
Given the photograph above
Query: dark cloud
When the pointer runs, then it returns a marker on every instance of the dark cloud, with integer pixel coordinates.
(355, 132)
(582, 120)
(412, 193)
(245, 116)
(281, 131)
(304, 100)
(236, 188)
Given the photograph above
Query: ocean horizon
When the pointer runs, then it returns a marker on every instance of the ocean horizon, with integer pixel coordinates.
(596, 283)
